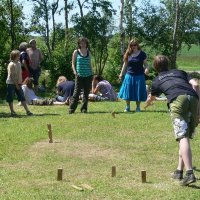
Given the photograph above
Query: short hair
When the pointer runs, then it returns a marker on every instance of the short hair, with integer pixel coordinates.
(98, 78)
(60, 80)
(32, 40)
(161, 63)
(83, 39)
(14, 54)
(23, 46)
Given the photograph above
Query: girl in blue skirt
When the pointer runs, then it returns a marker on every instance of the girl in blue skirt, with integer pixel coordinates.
(134, 68)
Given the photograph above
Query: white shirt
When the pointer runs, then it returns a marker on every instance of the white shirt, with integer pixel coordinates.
(29, 94)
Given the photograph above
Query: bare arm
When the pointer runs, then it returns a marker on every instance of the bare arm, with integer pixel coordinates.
(146, 71)
(74, 62)
(149, 101)
(195, 86)
(123, 71)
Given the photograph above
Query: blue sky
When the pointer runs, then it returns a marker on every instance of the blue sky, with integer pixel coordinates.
(60, 18)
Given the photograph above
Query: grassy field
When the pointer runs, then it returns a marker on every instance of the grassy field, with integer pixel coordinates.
(86, 146)
(189, 60)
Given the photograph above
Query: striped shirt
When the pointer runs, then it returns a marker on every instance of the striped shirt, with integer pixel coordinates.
(83, 66)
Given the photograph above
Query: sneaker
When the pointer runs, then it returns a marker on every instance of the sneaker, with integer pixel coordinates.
(138, 109)
(71, 111)
(13, 114)
(177, 175)
(83, 110)
(188, 179)
(127, 109)
(29, 113)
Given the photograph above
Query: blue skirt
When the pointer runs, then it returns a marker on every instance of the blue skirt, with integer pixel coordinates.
(133, 88)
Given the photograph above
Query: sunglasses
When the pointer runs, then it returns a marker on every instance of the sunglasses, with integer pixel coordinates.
(133, 45)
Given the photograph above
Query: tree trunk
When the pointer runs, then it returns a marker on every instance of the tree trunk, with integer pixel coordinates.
(66, 25)
(174, 42)
(122, 33)
(54, 9)
(12, 25)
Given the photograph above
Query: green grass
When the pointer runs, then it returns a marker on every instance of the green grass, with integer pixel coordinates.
(189, 60)
(87, 146)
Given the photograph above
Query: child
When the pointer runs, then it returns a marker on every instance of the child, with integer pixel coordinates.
(81, 65)
(99, 85)
(65, 89)
(31, 97)
(14, 81)
(183, 95)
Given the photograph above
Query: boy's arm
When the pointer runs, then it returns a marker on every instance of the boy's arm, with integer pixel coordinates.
(195, 86)
(149, 101)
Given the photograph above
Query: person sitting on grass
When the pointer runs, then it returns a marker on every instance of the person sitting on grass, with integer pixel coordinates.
(65, 89)
(14, 81)
(32, 98)
(183, 95)
(102, 90)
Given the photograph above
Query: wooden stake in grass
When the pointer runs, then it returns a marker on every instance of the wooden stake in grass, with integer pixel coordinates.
(50, 133)
(77, 187)
(143, 176)
(60, 174)
(113, 171)
(113, 114)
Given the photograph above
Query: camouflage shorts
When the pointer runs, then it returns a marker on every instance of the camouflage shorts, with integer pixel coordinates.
(183, 112)
(42, 102)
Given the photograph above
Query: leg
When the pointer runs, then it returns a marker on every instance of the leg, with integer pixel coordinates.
(138, 106)
(127, 109)
(86, 87)
(75, 98)
(186, 153)
(11, 107)
(180, 161)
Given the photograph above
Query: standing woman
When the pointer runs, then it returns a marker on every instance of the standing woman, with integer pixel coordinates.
(81, 65)
(135, 67)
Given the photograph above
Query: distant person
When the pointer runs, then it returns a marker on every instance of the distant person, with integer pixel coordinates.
(134, 68)
(32, 98)
(81, 65)
(65, 89)
(14, 81)
(24, 59)
(102, 90)
(183, 95)
(36, 57)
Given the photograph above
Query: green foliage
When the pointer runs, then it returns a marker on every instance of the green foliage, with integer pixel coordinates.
(155, 24)
(97, 27)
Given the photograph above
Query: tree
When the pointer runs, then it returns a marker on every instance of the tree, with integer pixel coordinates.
(96, 25)
(121, 29)
(43, 11)
(165, 28)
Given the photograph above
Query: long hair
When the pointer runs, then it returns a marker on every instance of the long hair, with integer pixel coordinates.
(28, 82)
(83, 39)
(129, 50)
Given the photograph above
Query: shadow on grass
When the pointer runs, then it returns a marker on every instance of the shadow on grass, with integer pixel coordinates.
(194, 187)
(8, 115)
(131, 112)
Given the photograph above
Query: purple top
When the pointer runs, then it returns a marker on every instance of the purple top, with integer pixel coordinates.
(106, 90)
